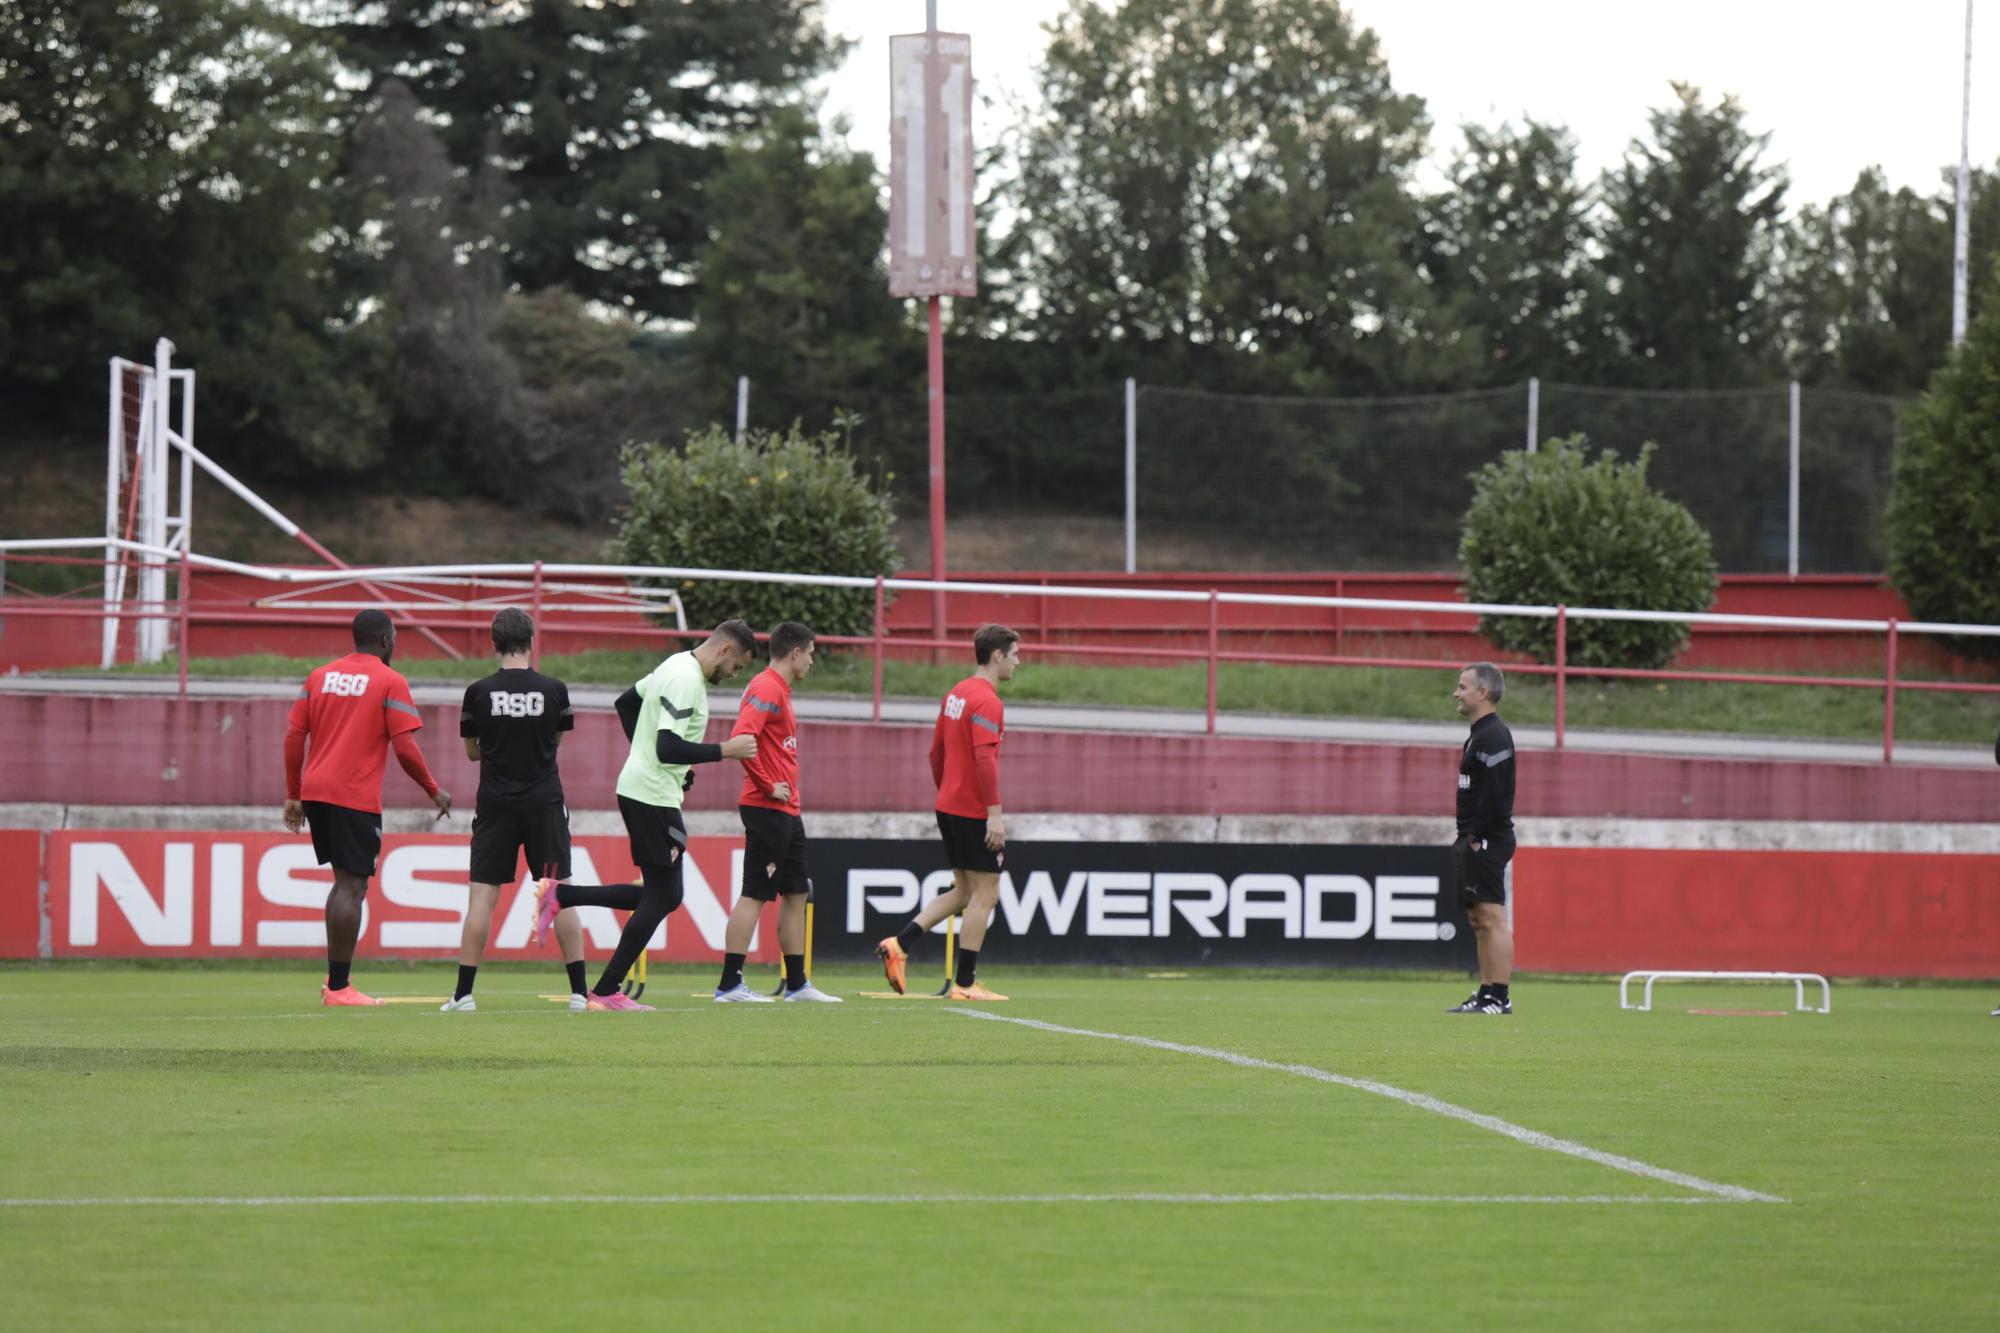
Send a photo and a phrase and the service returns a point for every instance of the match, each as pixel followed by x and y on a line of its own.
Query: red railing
pixel 606 618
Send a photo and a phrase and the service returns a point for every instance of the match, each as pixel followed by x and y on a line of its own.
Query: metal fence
pixel 1786 479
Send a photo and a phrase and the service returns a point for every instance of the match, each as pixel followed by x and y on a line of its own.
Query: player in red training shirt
pixel 352 710
pixel 965 765
pixel 774 834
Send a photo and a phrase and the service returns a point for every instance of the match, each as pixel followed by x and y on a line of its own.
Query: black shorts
pixel 965 844
pixel 1482 875
pixel 774 852
pixel 659 838
pixel 344 838
pixel 500 836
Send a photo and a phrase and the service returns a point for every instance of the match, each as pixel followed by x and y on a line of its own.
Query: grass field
pixel 527 1167
pixel 1376 693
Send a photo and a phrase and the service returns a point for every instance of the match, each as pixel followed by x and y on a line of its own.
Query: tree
pixel 607 118
pixel 526 399
pixel 164 170
pixel 1224 185
pixel 1944 510
pixel 1867 282
pixel 1509 244
pixel 792 289
pixel 1693 218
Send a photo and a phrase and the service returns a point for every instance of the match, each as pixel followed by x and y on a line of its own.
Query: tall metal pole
pixel 1534 411
pixel 1792 548
pixel 1961 238
pixel 1131 476
pixel 938 628
pixel 742 406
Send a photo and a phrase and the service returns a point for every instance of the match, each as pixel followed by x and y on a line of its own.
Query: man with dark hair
pixel 1485 834
pixel 352 711
pixel 665 715
pixel 965 765
pixel 774 832
pixel 511 722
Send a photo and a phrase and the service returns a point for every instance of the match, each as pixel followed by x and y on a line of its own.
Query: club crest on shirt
pixel 770 870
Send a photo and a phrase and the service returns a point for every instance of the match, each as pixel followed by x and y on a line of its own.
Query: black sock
pixel 576 981
pixel 618 897
pixel 1499 991
pixel 1485 989
pixel 909 935
pixel 795 971
pixel 732 971
pixel 465 975
pixel 336 973
pixel 968 966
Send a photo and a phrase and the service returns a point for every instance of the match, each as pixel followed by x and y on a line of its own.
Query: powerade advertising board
pixel 1162 904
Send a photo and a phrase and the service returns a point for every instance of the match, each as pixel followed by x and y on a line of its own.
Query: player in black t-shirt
pixel 1485 834
pixel 512 722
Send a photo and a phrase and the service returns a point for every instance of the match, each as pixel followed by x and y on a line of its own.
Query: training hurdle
pixel 1798 980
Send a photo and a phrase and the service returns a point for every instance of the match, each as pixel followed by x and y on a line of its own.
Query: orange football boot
pixel 973 992
pixel 893 956
pixel 346 995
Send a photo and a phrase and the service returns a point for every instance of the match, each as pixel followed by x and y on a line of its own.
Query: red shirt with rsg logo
pixel 349 710
pixel 766 713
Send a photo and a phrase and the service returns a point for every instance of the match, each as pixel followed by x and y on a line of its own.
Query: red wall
pixel 125 750
pixel 1846 913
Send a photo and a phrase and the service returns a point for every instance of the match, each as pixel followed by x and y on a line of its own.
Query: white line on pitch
pixel 955 1200
pixel 1534 1138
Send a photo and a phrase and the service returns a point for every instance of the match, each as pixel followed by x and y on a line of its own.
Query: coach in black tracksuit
pixel 1485 834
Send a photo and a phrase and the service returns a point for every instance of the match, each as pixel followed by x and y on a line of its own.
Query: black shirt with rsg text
pixel 1486 782
pixel 517 715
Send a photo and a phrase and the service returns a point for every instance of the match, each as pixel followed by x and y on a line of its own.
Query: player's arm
pixel 628 705
pixel 296 726
pixel 986 729
pixel 566 715
pixel 677 704
pixel 1496 794
pixel 468 723
pixel 752 717
pixel 402 721
pixel 937 754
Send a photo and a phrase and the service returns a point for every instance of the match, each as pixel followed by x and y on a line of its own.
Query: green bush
pixel 1554 528
pixel 789 501
pixel 1944 498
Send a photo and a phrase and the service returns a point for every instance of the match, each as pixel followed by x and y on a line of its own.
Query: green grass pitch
pixel 524 1167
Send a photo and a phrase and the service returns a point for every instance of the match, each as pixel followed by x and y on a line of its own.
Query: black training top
pixel 516 714
pixel 1486 782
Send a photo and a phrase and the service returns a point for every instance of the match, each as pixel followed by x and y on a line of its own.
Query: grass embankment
pixel 1373 693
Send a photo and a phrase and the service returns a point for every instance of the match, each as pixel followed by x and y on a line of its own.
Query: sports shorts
pixel 1481 875
pixel 499 837
pixel 344 838
pixel 774 852
pixel 658 835
pixel 965 844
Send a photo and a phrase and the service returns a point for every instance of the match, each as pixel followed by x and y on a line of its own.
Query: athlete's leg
pixel 792 923
pixel 982 896
pixel 1495 942
pixel 660 895
pixel 343 924
pixel 478 923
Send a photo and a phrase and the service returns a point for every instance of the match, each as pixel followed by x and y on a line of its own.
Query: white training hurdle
pixel 1798 980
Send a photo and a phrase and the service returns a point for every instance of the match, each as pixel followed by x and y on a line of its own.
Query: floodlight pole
pixel 1961 229
pixel 935 312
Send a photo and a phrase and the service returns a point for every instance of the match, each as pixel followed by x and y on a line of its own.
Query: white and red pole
pixel 938 628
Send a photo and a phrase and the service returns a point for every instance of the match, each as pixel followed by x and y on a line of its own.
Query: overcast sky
pixel 1839 84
